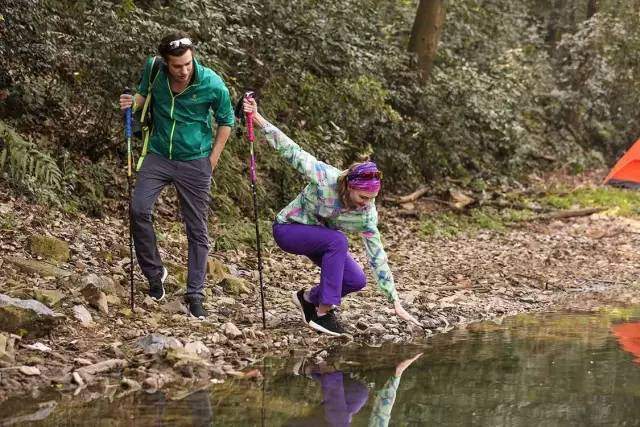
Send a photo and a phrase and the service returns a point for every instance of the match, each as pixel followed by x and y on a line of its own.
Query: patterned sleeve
pixel 383 403
pixel 377 257
pixel 315 170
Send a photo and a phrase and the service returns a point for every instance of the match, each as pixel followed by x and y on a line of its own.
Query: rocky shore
pixel 66 321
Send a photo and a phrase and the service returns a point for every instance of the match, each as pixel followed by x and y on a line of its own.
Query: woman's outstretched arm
pixel 378 261
pixel 315 170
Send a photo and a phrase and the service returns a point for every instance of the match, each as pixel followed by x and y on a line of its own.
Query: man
pixel 185 97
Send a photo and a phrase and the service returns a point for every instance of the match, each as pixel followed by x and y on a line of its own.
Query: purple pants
pixel 342 399
pixel 329 249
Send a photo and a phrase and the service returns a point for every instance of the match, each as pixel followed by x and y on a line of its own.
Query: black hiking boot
pixel 327 324
pixel 307 309
pixel 196 309
pixel 156 286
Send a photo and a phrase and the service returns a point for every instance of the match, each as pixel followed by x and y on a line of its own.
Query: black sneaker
pixel 196 309
pixel 327 324
pixel 156 286
pixel 307 309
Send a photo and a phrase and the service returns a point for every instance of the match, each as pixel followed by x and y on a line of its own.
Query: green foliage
pixel 237 234
pixel 27 167
pixel 517 86
pixel 618 201
pixel 450 224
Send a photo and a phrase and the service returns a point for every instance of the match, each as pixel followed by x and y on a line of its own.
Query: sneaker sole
pixel 165 273
pixel 319 328
pixel 294 298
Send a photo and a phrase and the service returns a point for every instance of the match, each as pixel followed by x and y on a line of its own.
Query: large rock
pixel 155 343
pixel 41 268
pixel 216 271
pixel 199 348
pixel 49 297
pixel 95 298
pixel 105 283
pixel 177 272
pixel 7 348
pixel 231 330
pixel 182 357
pixel 81 313
pixel 174 305
pixel 49 248
pixel 234 285
pixel 26 317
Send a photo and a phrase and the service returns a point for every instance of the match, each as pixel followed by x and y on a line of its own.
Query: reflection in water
pixel 344 396
pixel 547 370
pixel 197 405
pixel 628 335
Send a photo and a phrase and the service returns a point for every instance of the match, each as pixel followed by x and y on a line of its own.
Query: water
pixel 543 370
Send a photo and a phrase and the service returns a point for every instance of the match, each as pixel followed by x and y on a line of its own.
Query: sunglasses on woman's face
pixel 367 175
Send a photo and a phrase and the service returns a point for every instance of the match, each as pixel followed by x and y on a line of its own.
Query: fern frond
pixel 25 163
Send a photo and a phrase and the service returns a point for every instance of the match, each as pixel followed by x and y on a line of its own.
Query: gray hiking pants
pixel 192 180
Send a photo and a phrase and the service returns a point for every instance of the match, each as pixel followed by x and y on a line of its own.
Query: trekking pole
pixel 127 135
pixel 252 173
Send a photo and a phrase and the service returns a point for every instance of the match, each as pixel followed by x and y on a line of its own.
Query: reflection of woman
pixel 343 397
pixel 311 225
pixel 386 397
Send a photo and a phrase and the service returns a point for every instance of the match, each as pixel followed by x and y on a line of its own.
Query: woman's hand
pixel 250 105
pixel 405 364
pixel 404 315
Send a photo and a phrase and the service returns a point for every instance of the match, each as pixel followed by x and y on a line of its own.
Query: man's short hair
pixel 175 44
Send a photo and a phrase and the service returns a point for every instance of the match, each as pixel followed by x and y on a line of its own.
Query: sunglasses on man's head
pixel 366 175
pixel 177 44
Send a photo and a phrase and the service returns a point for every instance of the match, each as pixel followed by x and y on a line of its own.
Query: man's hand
pixel 214 160
pixel 403 314
pixel 126 101
pixel 222 135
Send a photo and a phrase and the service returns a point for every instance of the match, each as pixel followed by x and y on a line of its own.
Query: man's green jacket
pixel 182 122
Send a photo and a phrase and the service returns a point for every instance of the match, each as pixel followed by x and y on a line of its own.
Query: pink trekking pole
pixel 252 173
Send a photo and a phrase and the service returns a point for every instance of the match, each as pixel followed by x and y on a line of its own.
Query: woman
pixel 312 225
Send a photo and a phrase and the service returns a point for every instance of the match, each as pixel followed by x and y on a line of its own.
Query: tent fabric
pixel 626 172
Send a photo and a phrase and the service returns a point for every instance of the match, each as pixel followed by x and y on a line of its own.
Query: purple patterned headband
pixel 365 177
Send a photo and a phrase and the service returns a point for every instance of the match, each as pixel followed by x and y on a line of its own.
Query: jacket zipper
pixel 173 103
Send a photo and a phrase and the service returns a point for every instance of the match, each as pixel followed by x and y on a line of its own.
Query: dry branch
pixel 568 214
pixel 104 366
pixel 413 196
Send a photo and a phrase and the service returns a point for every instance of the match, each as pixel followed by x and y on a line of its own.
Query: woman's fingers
pixel 403 314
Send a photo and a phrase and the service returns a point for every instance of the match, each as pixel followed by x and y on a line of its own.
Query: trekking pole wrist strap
pixel 134 105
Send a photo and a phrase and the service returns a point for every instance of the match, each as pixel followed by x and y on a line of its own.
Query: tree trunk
pixel 592 8
pixel 425 34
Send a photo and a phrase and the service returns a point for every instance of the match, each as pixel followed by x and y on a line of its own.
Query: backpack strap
pixel 144 119
pixel 153 75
